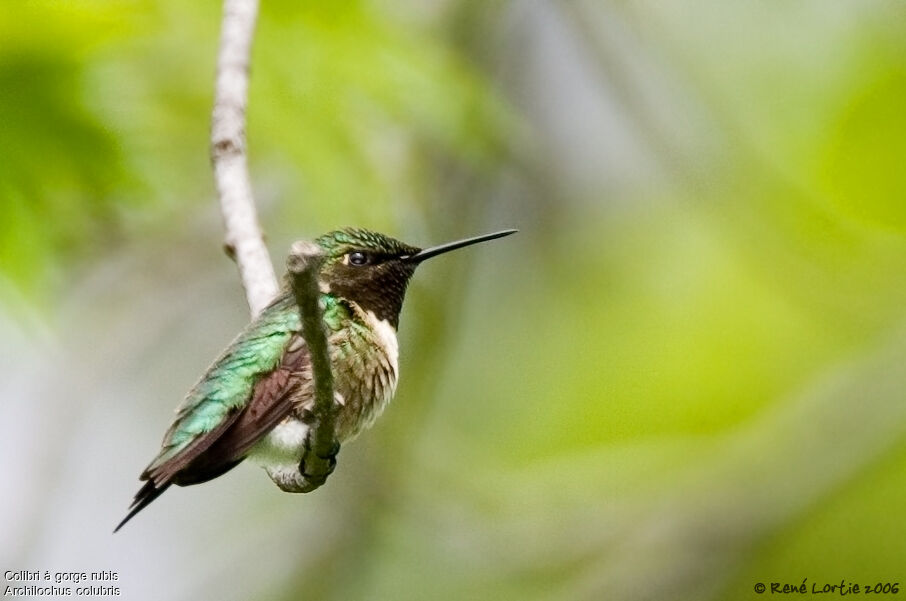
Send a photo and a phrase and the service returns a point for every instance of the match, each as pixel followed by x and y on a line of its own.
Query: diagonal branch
pixel 303 264
pixel 243 239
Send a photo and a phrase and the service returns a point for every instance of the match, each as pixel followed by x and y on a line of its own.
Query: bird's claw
pixel 316 480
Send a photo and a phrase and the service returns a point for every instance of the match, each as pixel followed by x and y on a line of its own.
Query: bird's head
pixel 373 270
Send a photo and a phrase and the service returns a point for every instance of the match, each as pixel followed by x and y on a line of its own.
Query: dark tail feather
pixel 143 498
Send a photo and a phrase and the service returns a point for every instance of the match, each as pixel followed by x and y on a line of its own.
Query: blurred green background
pixel 683 377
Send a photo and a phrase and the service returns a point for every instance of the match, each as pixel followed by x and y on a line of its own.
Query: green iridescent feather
pixel 228 383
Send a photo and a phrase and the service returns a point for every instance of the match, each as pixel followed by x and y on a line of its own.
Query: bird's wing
pixel 252 372
pixel 243 395
pixel 272 400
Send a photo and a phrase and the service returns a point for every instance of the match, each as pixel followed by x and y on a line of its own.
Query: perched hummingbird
pixel 256 400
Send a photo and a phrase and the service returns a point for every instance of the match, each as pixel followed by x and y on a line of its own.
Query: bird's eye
pixel 358 258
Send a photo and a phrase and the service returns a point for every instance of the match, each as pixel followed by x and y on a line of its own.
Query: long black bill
pixel 443 248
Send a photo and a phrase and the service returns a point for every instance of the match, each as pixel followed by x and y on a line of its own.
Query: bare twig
pixel 303 264
pixel 243 240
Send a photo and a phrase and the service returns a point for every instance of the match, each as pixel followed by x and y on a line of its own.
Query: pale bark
pixel 243 238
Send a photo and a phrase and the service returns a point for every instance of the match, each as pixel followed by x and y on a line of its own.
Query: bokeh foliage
pixel 106 110
pixel 681 378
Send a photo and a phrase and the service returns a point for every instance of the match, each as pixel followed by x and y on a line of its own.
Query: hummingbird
pixel 256 400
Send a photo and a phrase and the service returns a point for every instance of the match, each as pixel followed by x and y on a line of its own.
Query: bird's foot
pixel 314 473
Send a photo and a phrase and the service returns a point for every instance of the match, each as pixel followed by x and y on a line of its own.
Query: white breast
pixel 280 451
pixel 386 337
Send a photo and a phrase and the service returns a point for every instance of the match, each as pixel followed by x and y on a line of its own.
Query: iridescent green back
pixel 229 382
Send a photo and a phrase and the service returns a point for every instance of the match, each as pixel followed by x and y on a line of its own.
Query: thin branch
pixel 303 264
pixel 244 243
pixel 243 239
